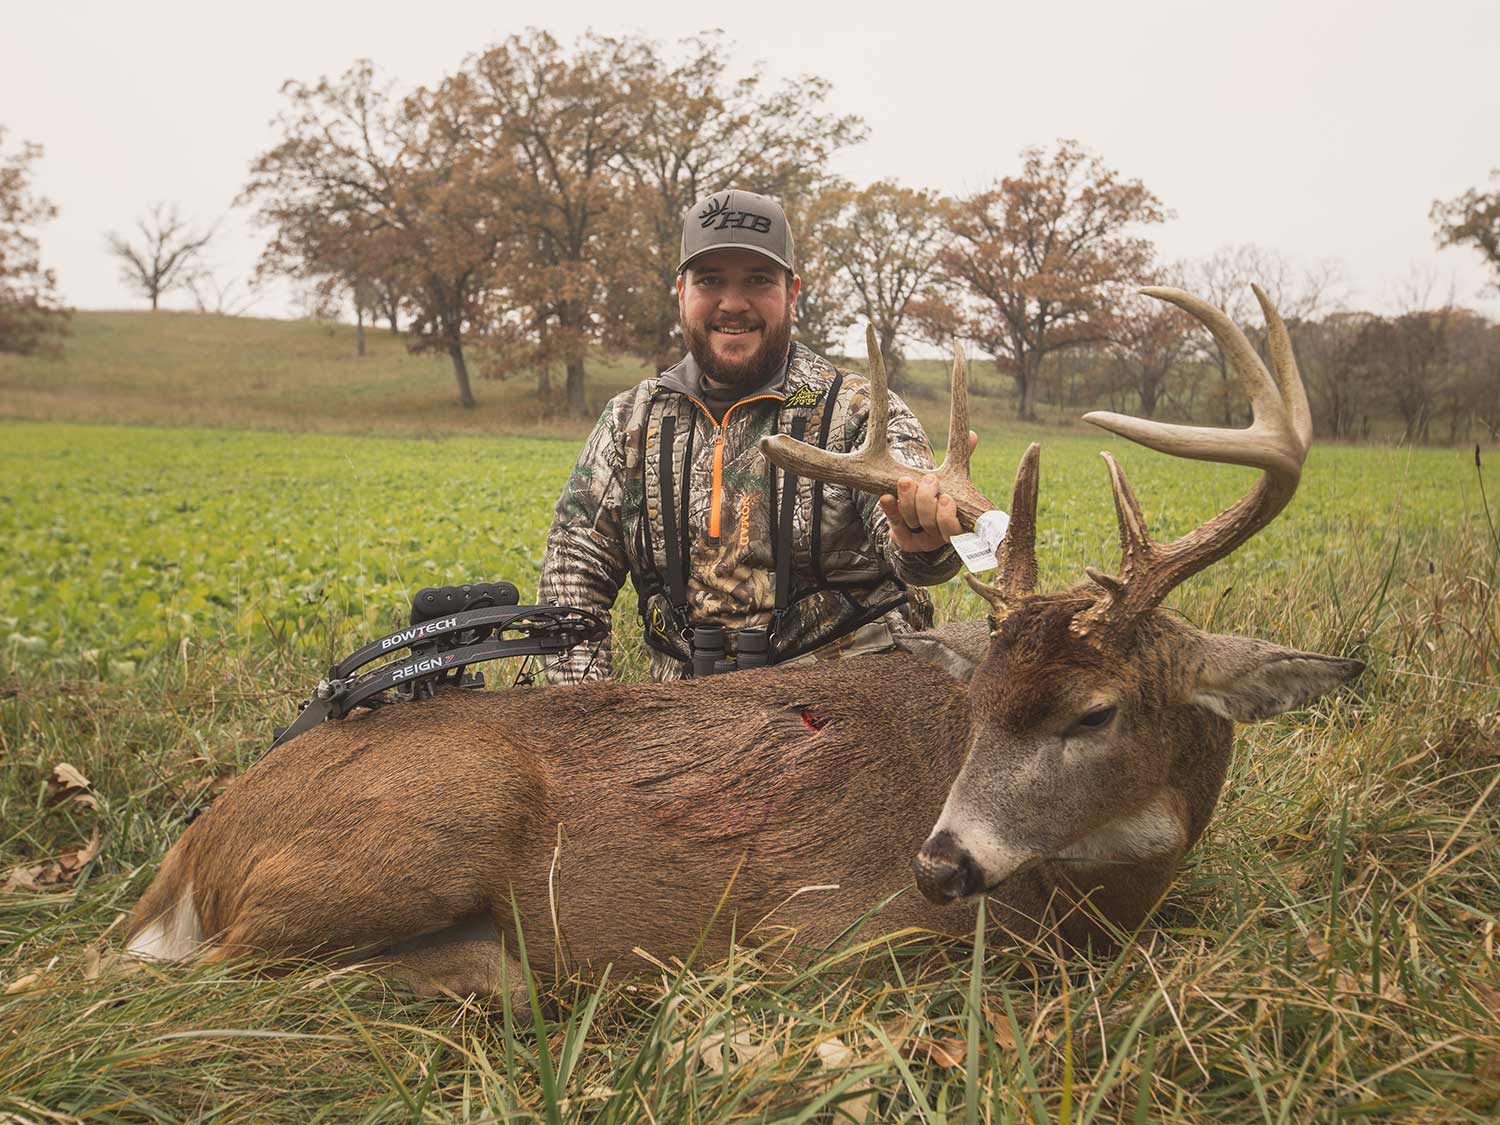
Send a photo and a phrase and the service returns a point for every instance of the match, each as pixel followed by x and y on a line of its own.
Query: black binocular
pixel 752 649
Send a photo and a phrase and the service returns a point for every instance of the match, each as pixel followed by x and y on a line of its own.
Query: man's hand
pixel 921 517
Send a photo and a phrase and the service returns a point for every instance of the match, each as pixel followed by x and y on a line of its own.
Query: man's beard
pixel 756 369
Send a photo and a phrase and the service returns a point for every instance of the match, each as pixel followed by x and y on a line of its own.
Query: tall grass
pixel 1328 952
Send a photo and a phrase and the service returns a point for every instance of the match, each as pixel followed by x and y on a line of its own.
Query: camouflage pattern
pixel 597 538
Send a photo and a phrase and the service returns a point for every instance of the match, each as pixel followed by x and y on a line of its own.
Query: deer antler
pixel 1276 442
pixel 872 468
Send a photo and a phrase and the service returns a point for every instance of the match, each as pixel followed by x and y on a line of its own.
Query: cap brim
pixel 761 250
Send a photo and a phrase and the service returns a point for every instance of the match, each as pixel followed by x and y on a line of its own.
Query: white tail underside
pixel 173 935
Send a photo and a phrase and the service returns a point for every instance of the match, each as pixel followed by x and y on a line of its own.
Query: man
pixel 672 490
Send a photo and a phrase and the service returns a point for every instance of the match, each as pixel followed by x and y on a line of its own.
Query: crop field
pixel 1328 951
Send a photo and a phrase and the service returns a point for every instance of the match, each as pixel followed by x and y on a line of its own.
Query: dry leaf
pixel 742 1051
pixel 48 873
pixel 947 1053
pixel 1317 946
pixel 999 1023
pixel 21 984
pixel 855 1102
pixel 68 783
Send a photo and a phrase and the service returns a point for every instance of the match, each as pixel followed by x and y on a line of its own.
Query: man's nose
pixel 733 299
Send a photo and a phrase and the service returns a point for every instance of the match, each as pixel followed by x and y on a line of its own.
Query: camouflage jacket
pixel 726 497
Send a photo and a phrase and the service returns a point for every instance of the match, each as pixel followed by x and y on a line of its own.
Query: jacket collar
pixel 686 378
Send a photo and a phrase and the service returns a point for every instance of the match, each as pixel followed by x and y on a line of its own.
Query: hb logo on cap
pixel 719 209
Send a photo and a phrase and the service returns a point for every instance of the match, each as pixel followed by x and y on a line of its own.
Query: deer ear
pixel 956 648
pixel 1245 679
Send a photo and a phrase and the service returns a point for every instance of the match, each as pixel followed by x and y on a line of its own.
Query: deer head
pixel 1100 725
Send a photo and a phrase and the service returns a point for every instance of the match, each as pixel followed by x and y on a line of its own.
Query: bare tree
pixel 1224 279
pixel 165 257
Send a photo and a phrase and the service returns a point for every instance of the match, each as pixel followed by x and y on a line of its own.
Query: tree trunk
pixel 461 373
pixel 1026 381
pixel 543 381
pixel 578 402
pixel 359 330
pixel 895 362
pixel 154 296
pixel 1149 389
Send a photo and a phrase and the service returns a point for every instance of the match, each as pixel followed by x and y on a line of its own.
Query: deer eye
pixel 1096 719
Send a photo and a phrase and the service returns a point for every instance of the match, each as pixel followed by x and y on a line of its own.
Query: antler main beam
pixel 1276 442
pixel 872 467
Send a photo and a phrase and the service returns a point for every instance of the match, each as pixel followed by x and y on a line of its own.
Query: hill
pixel 197 369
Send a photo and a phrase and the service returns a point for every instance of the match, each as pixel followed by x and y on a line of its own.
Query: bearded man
pixel 735 562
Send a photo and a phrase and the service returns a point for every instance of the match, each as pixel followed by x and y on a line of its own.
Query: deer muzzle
pixel 945 871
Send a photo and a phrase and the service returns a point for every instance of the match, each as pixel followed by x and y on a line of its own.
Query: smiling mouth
pixel 734 330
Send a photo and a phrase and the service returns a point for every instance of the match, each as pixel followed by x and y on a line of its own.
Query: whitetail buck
pixel 1072 746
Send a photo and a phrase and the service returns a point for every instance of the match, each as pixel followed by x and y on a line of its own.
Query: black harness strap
pixel 829 402
pixel 675 578
pixel 784 545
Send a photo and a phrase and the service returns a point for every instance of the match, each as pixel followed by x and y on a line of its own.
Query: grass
pixel 204 370
pixel 1328 952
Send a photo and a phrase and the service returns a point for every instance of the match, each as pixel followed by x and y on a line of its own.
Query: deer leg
pixel 466 959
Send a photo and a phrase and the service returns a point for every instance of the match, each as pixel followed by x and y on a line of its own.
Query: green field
pixel 1329 949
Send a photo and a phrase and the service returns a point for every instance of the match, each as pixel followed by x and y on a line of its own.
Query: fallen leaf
pixel 21 984
pixel 741 1051
pixel 48 873
pixel 999 1023
pixel 68 783
pixel 854 1103
pixel 946 1053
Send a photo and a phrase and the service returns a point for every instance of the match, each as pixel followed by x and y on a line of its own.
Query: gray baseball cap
pixel 740 220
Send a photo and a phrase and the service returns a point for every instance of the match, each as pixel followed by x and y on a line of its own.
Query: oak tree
pixel 1472 219
pixel 1038 259
pixel 884 241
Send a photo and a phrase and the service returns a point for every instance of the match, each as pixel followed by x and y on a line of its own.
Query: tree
pixel 1472 219
pixel 1151 339
pixel 32 317
pixel 1038 259
pixel 884 242
pixel 825 309
pixel 1341 387
pixel 698 129
pixel 1406 359
pixel 387 199
pixel 559 123
pixel 166 255
pixel 1223 279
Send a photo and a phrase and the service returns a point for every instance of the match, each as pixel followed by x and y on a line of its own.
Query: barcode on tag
pixel 977 555
pixel 977 548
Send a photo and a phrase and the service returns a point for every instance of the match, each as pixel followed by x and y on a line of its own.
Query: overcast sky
pixel 1317 128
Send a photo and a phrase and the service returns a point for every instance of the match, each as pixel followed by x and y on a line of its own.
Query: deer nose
pixel 946 872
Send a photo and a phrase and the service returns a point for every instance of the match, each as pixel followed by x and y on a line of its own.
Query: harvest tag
pixel 977 548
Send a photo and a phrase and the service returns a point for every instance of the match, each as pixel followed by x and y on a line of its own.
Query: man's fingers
pixel 947 518
pixel 927 503
pixel 906 501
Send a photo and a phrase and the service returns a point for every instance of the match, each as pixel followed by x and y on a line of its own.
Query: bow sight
pixel 451 627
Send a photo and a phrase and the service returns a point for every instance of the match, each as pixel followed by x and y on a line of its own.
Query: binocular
pixel 709 643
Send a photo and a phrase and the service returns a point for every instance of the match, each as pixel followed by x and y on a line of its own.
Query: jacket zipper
pixel 717 496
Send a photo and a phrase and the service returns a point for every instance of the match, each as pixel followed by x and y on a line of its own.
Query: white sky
pixel 1320 129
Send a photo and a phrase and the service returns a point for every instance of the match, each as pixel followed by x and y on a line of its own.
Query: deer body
pixel 1059 760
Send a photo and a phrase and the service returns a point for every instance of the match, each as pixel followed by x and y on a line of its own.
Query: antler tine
pixel 1276 442
pixel 872 468
pixel 956 460
pixel 876 439
pixel 1016 576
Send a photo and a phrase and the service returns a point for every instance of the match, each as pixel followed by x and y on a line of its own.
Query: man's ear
pixel 957 648
pixel 793 289
pixel 1245 679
